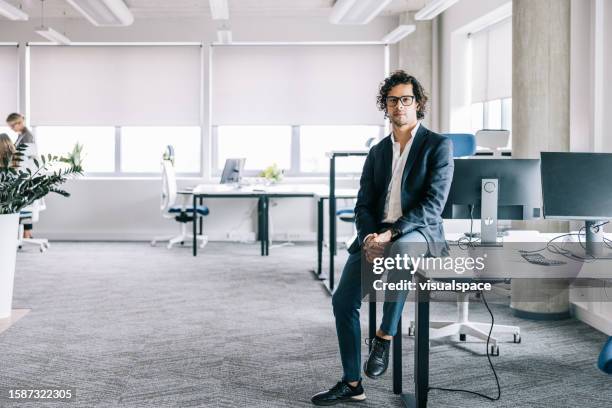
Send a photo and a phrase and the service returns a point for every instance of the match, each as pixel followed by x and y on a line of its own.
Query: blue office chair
pixel 464 144
pixel 605 358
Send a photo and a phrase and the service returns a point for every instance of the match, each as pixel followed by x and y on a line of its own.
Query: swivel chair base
pixel 181 238
pixel 463 327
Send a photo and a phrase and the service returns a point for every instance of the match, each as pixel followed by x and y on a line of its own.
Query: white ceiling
pixel 200 8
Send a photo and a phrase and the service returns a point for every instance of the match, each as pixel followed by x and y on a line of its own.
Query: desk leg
pixel 332 221
pixel 200 202
pixel 397 359
pixel 421 349
pixel 195 223
pixel 266 218
pixel 320 227
pixel 372 323
pixel 260 223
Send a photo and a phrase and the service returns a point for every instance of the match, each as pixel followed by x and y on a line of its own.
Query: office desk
pixel 347 193
pixel 418 398
pixel 332 204
pixel 260 192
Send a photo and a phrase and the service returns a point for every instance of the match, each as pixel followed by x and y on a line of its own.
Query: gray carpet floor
pixel 128 325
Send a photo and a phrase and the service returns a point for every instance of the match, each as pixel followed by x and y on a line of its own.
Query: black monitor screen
pixel 576 186
pixel 519 188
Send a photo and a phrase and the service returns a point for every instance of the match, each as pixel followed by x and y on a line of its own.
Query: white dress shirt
pixel 393 203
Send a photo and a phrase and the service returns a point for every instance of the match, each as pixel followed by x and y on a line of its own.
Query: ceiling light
pixel 11 12
pixel 399 33
pixel 433 8
pixel 104 12
pixel 53 36
pixel 219 9
pixel 224 36
pixel 356 11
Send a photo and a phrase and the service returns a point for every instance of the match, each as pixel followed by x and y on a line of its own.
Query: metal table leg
pixel 418 399
pixel 195 223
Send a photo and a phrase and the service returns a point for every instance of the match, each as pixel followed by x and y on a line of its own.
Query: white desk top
pixel 315 190
pixel 506 261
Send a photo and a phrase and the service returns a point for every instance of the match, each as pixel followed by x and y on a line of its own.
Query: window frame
pixel 295 155
pixel 118 173
pixel 215 170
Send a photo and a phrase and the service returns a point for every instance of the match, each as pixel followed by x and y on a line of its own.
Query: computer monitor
pixel 575 187
pixel 492 189
pixel 232 171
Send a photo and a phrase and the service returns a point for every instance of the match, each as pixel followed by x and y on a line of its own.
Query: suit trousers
pixel 346 302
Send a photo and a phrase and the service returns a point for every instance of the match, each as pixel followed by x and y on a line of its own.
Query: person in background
pixel 7 150
pixel 16 122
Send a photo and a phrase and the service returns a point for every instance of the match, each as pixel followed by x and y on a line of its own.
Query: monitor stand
pixel 595 239
pixel 488 213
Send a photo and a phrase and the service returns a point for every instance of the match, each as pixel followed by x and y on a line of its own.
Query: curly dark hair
pixel 397 78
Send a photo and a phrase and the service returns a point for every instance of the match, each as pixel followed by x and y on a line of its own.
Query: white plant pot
pixel 9 230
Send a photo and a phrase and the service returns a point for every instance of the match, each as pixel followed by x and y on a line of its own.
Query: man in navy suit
pixel 403 189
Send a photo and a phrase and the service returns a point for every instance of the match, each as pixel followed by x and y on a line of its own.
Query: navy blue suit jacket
pixel 426 180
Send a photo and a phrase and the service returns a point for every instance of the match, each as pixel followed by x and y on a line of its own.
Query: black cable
pixel 488 358
pixel 470 241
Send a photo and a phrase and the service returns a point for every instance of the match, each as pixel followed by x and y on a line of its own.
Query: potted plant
pixel 271 174
pixel 20 186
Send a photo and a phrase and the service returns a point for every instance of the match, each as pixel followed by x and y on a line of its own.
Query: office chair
pixel 464 145
pixel 30 215
pixel 605 358
pixel 495 140
pixel 181 213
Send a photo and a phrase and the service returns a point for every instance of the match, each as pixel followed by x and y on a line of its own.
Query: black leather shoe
pixel 341 392
pixel 378 360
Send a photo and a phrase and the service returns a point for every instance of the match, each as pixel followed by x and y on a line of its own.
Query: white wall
pixel 128 208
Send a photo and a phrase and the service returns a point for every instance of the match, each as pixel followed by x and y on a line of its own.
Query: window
pixel 495 114
pixel 262 146
pixel 98 144
pixel 477 111
pixel 316 141
pixel 491 77
pixel 506 114
pixel 493 119
pixel 142 148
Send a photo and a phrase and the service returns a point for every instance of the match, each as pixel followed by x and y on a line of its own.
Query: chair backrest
pixel 493 138
pixel 169 188
pixel 464 144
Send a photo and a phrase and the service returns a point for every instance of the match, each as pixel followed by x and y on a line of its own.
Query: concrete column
pixel 540 119
pixel 415 56
pixel 540 77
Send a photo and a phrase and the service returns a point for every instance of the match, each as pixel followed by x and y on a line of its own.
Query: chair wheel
pixel 411 331
pixel 517 338
pixel 42 249
pixel 462 337
pixel 494 350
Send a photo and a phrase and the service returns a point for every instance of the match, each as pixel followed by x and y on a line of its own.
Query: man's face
pixel 17 125
pixel 402 106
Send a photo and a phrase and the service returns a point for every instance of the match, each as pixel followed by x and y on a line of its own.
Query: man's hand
pixel 373 248
pixel 384 237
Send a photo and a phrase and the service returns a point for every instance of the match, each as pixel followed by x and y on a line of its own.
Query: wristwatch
pixel 395 233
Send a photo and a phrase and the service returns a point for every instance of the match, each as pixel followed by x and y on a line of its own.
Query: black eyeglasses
pixel 406 100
